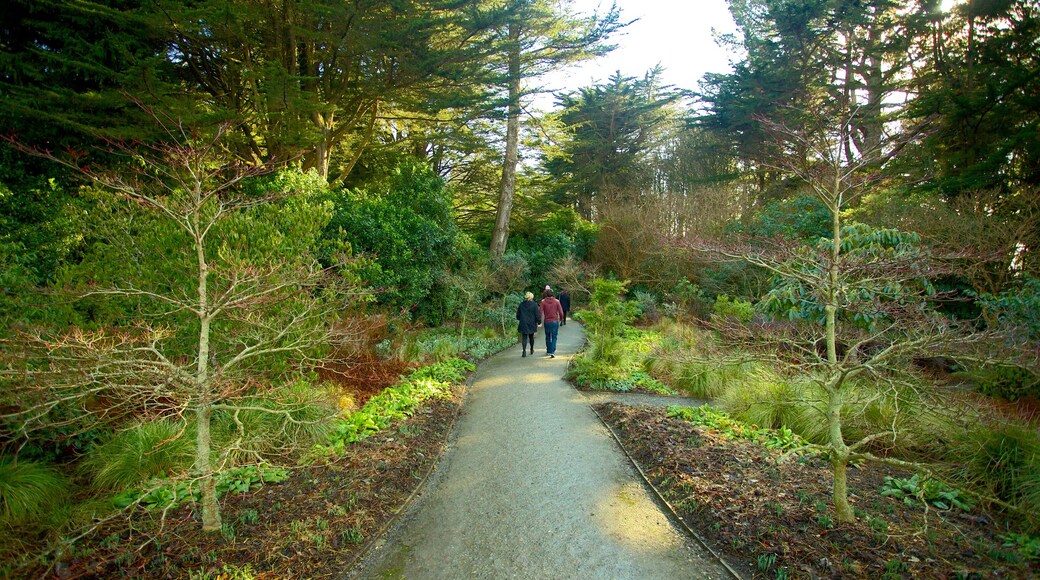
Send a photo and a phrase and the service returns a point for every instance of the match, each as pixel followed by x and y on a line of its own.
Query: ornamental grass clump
pixel 143 451
pixel 29 491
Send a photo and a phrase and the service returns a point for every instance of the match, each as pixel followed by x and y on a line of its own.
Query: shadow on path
pixel 534 487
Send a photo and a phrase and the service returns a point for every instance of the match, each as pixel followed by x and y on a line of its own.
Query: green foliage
pixel 705 416
pixel 802 217
pixel 646 304
pixel 1001 460
pixel 407 227
pixel 541 251
pixel 1017 307
pixel 29 491
pixel 397 402
pixel 726 307
pixel 792 299
pixel 689 298
pixel 605 319
pixel 143 451
pixel 442 344
pixel 761 397
pixel 914 489
pixel 1004 381
pixel 622 374
pixel 241 479
pixel 1027 546
pixel 614 128
pixel 291 417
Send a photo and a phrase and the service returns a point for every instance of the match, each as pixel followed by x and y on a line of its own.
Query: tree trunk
pixel 210 509
pixel 203 410
pixel 507 188
pixel 839 451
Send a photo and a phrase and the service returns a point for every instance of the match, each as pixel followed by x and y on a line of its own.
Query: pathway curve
pixel 534 487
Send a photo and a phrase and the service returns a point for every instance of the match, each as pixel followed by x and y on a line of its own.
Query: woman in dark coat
pixel 530 317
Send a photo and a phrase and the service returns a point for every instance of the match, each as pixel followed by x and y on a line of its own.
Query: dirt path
pixel 534 487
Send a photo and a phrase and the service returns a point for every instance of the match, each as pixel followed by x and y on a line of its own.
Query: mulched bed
pixel 315 524
pixel 771 520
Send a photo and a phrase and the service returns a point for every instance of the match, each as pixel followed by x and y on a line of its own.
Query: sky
pixel 678 34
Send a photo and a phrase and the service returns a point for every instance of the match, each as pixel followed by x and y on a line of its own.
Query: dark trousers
pixel 526 339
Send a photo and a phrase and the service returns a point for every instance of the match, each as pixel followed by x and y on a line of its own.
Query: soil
pixel 774 520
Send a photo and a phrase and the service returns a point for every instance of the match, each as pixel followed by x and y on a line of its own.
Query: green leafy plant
pixel 238 480
pixel 397 402
pixel 726 307
pixel 766 561
pixel 706 416
pixel 914 489
pixel 1004 381
pixel 1027 546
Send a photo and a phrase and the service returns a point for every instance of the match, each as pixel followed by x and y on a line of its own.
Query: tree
pixel 405 229
pixel 538 37
pixel 866 287
pixel 222 293
pixel 614 127
pixel 308 78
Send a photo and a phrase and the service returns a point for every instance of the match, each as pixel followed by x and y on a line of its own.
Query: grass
pixel 145 450
pixel 29 491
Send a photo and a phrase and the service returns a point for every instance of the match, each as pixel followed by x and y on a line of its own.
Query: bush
pixel 646 304
pixel 1001 460
pixel 397 402
pixel 763 398
pixel 1005 381
pixel 144 451
pixel 297 417
pixel 29 491
pixel 407 225
pixel 689 299
pixel 735 308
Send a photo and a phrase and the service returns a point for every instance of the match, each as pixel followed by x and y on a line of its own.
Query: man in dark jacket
pixel 530 317
pixel 565 302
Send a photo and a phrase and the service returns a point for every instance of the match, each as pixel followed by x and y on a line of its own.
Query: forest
pixel 238 238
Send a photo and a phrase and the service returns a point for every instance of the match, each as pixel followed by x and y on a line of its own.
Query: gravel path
pixel 534 487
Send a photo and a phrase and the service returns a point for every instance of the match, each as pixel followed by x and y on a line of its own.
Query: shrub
pixel 29 491
pixel 689 298
pixel 726 307
pixel 1005 381
pixel 397 402
pixel 1003 461
pixel 763 398
pixel 139 453
pixel 407 226
pixel 605 319
pixel 646 304
pixel 297 417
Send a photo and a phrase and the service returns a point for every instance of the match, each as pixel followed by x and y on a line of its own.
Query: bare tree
pixel 236 291
pixel 866 287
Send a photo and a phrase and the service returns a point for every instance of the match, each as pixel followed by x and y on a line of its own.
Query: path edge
pixel 356 565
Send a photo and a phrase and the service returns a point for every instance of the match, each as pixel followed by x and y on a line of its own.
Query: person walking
pixel 530 316
pixel 565 302
pixel 552 313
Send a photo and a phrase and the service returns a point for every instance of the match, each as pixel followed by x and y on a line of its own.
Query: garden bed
pixel 314 524
pixel 775 520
